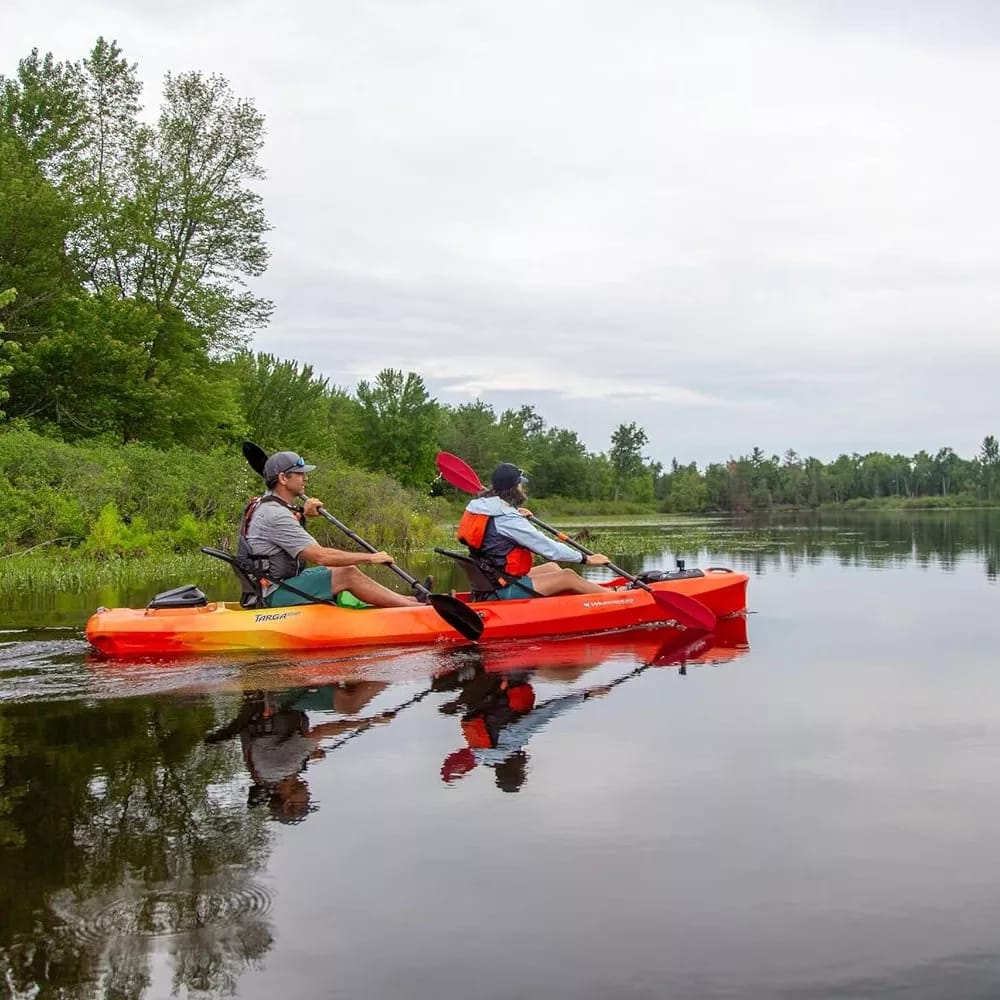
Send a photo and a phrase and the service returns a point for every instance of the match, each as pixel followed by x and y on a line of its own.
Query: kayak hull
pixel 222 627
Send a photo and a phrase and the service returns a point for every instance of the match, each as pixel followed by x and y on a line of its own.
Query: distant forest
pixel 126 374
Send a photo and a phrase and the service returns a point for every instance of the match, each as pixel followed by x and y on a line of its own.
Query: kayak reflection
pixel 500 712
pixel 492 692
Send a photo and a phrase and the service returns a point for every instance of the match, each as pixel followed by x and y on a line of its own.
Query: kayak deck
pixel 224 627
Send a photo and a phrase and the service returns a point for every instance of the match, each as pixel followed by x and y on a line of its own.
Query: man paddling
pixel 504 542
pixel 273 527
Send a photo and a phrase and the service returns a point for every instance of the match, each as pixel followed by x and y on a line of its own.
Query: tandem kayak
pixel 211 627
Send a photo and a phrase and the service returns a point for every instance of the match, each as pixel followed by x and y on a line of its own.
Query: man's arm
pixel 323 555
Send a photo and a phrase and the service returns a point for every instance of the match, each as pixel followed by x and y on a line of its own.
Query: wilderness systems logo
pixel 276 617
pixel 609 603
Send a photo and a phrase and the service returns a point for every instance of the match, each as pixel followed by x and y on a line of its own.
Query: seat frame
pixel 253 580
pixel 484 582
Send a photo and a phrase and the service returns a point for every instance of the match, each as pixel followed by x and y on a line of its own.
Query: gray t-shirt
pixel 275 532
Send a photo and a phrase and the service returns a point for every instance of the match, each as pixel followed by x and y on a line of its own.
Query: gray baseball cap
pixel 285 461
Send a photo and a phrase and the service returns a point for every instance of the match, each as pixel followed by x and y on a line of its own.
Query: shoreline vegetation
pixel 97 514
pixel 127 379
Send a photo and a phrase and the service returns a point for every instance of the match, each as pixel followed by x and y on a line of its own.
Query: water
pixel 804 810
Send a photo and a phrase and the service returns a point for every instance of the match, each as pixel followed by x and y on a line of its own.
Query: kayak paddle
pixel 688 611
pixel 455 612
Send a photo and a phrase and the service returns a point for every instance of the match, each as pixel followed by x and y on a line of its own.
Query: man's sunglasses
pixel 299 466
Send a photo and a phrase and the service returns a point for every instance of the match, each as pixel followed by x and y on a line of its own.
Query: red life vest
pixel 479 533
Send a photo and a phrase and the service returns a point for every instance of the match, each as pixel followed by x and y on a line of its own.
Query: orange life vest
pixel 479 533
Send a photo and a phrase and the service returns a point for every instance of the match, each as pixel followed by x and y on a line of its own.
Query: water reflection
pixel 121 840
pixel 278 741
pixel 499 712
pixel 865 538
pixel 139 827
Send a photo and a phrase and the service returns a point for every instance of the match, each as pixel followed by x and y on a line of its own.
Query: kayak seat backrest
pixel 484 582
pixel 186 596
pixel 250 576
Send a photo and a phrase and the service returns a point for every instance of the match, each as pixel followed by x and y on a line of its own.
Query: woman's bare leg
pixel 550 578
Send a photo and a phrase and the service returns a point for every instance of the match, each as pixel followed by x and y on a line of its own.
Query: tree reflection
pixel 122 838
pixel 869 538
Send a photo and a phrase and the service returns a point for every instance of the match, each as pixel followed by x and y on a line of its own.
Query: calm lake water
pixel 806 808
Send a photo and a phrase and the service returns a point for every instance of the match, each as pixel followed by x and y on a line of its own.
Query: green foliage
pixel 282 401
pixel 398 426
pixel 374 506
pixel 688 491
pixel 626 457
pixel 471 430
pixel 110 538
pixel 131 244
pixel 6 297
pixel 118 366
pixel 51 489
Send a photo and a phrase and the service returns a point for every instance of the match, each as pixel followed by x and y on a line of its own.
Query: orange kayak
pixel 222 627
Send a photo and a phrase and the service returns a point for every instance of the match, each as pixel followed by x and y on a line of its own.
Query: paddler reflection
pixel 501 715
pixel 279 741
pixel 500 712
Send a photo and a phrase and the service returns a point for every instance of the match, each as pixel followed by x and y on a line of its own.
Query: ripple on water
pixel 40 664
pixel 165 911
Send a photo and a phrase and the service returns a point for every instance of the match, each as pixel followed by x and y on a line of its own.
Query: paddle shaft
pixel 691 608
pixel 368 547
pixel 392 713
pixel 583 550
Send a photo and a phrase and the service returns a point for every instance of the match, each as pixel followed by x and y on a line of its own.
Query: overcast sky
pixel 768 224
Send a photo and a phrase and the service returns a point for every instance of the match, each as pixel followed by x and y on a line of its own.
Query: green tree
pixel 284 405
pixel 130 241
pixel 626 457
pixel 688 490
pixel 118 366
pixel 518 431
pixel 200 224
pixel 6 297
pixel 399 426
pixel 472 432
pixel 946 468
pixel 989 460
pixel 34 223
pixel 560 465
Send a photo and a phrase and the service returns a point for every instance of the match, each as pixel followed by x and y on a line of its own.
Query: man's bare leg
pixel 364 588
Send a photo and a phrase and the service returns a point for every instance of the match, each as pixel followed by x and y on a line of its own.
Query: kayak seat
pixel 484 582
pixel 185 596
pixel 251 581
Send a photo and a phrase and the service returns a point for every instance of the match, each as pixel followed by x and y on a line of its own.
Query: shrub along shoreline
pixel 102 511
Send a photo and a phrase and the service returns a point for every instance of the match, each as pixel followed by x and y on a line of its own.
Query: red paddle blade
pixel 676 651
pixel 690 612
pixel 458 473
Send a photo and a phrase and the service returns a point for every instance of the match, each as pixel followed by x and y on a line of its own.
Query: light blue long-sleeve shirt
pixel 521 531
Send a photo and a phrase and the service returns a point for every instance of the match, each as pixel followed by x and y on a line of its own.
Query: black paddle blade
pixel 458 615
pixel 255 456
